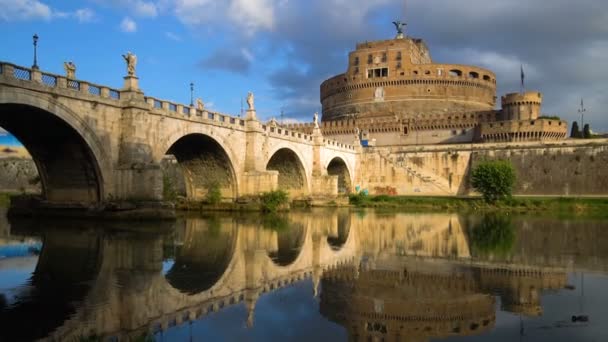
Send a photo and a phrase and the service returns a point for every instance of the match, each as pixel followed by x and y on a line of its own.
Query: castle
pixel 394 94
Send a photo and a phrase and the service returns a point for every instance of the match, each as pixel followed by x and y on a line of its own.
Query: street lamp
pixel 35 38
pixel 582 112
pixel 191 94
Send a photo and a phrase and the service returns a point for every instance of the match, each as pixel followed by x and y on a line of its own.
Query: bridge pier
pixel 256 179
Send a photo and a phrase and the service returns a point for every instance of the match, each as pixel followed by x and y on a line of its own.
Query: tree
pixel 586 132
pixel 575 132
pixel 494 179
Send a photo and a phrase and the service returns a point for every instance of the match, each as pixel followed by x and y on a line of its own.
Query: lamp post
pixel 35 38
pixel 191 94
pixel 582 112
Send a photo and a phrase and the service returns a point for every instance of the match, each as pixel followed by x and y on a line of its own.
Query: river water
pixel 322 275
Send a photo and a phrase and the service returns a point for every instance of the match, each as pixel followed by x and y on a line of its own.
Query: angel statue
pixel 70 70
pixel 399 26
pixel 250 101
pixel 131 60
pixel 315 119
pixel 200 105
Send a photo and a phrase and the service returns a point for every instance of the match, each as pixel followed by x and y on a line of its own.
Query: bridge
pixel 93 144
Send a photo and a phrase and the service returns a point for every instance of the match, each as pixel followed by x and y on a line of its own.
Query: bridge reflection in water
pixel 380 276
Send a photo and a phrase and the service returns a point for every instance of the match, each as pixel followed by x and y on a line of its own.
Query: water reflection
pixel 378 276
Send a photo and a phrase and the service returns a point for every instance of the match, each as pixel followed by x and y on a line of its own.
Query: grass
pixel 564 206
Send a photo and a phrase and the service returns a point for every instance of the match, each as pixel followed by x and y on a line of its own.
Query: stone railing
pixel 338 144
pixel 12 71
pixel 282 132
pixel 170 108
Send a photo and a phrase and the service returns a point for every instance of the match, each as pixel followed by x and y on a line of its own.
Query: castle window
pixel 399 65
pixel 427 72
pixel 356 61
pixel 377 72
pixel 473 74
pixel 486 78
pixel 439 72
pixel 455 73
pixel 356 70
pixel 370 59
pixel 398 55
pixel 384 57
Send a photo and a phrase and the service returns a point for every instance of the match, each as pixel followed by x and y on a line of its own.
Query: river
pixel 321 275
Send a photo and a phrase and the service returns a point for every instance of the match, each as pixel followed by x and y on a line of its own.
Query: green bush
pixel 494 179
pixel 358 199
pixel 169 191
pixel 273 200
pixel 214 194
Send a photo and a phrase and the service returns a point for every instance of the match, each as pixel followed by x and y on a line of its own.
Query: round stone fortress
pixel 393 94
pixel 398 77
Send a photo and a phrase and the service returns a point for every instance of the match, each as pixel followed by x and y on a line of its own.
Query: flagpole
pixel 522 88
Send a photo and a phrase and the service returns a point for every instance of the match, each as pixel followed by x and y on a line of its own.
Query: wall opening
pixel 337 167
pixel 67 170
pixel 205 168
pixel 292 176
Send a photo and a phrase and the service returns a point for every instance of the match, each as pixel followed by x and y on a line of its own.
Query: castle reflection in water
pixel 381 276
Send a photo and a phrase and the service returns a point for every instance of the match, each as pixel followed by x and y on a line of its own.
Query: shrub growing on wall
pixel 494 179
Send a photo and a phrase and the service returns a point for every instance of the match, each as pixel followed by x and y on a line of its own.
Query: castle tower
pixel 521 106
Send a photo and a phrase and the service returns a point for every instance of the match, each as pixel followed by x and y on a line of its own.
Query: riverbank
pixel 595 206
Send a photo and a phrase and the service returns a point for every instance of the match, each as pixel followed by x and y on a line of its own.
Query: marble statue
pixel 250 101
pixel 70 69
pixel 131 60
pixel 200 105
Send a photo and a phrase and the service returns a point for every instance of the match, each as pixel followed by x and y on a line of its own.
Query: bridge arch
pixel 206 164
pixel 338 167
pixel 293 175
pixel 72 162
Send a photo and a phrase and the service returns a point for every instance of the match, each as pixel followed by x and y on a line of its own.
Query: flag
pixel 522 77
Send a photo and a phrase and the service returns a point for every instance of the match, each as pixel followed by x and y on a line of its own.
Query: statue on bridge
pixel 200 105
pixel 70 70
pixel 131 60
pixel 250 101
pixel 315 119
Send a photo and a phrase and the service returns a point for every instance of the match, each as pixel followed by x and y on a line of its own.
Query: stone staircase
pixel 427 177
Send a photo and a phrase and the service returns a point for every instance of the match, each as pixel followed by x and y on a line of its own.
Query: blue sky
pixel 283 49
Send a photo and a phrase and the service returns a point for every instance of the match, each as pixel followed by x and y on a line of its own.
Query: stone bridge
pixel 93 144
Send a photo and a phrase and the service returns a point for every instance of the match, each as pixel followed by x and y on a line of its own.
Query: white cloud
pixel 16 10
pixel 128 25
pixel 253 15
pixel 173 36
pixel 247 54
pixel 145 9
pixel 249 16
pixel 84 15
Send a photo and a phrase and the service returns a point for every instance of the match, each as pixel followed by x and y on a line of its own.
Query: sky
pixel 283 49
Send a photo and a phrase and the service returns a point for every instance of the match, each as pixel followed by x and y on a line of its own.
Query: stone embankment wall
pixel 19 175
pixel 565 168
